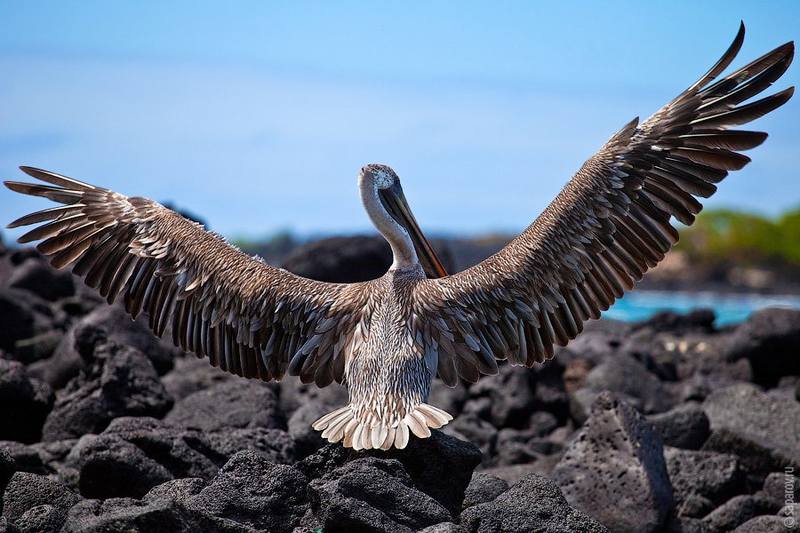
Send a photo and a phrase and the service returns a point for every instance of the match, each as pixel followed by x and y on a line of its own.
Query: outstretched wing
pixel 604 230
pixel 246 316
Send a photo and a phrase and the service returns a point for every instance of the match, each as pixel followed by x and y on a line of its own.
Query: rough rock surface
pixel 762 429
pixel 686 426
pixel 702 480
pixel 115 381
pixel 534 504
pixel 24 403
pixel 236 403
pixel 614 469
pixel 140 437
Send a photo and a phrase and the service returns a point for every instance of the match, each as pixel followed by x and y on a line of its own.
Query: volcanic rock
pixel 685 426
pixel 26 491
pixel 614 469
pixel 532 505
pixel 36 276
pixel 760 428
pixel 116 381
pixel 702 480
pixel 769 339
pixel 230 404
pixel 24 403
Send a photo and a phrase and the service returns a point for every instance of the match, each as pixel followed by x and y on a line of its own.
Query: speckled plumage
pixel 387 339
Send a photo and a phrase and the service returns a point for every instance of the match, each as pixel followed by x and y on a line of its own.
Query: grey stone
pixel 483 488
pixel 373 494
pixel 26 491
pixel 534 505
pixel 737 511
pixel 38 277
pixel 254 492
pixel 707 477
pixel 230 404
pixel 761 429
pixel 614 469
pixel 24 403
pixel 117 381
pixel 685 426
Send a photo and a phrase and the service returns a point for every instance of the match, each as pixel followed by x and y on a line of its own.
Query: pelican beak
pixel 395 203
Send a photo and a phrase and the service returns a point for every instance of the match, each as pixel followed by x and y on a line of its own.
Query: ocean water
pixel 729 308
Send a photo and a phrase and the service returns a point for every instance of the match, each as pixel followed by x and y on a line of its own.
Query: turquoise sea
pixel 729 308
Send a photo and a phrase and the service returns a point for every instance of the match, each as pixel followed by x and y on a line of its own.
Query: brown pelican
pixel 388 338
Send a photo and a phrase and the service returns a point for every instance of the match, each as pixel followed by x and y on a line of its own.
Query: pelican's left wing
pixel 608 226
pixel 247 317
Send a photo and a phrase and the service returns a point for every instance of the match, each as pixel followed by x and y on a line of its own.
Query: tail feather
pixel 343 425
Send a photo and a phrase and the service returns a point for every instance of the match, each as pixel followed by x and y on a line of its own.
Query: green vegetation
pixel 728 236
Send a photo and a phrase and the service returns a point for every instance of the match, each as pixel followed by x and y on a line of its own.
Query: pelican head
pixel 388 209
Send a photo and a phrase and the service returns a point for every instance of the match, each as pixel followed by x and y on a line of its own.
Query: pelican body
pixel 388 338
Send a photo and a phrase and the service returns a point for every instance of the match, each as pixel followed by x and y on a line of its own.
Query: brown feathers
pixel 220 303
pixel 607 227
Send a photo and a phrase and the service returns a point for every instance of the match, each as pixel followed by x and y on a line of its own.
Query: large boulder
pixel 36 276
pixel 24 403
pixel 373 494
pixel 26 491
pixel 126 514
pixel 614 469
pixel 115 381
pixel 685 426
pixel 533 505
pixel 628 379
pixel 769 339
pixel 254 492
pixel 483 488
pixel 135 454
pixel 426 461
pixel 23 315
pixel 349 259
pixel 66 361
pixel 231 404
pixel 737 511
pixel 702 480
pixel 191 374
pixel 762 429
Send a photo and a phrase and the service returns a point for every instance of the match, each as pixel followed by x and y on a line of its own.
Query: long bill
pixel 395 202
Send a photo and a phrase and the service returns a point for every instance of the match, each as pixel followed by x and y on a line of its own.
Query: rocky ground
pixel 666 425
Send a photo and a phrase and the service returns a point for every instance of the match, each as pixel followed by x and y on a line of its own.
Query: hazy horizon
pixel 257 117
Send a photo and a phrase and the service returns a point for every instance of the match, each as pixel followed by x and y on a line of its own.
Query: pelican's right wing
pixel 605 229
pixel 247 317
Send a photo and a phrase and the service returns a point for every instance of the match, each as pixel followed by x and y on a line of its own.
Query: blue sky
pixel 258 115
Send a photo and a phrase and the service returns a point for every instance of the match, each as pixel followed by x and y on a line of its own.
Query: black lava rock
pixel 686 426
pixel 252 491
pixel 483 488
pixel 614 469
pixel 737 511
pixel 370 494
pixel 231 404
pixel 117 381
pixel 770 340
pixel 26 491
pixel 22 315
pixel 533 505
pixel 760 428
pixel 126 514
pixel 66 361
pixel 24 403
pixel 702 480
pixel 349 259
pixel 36 276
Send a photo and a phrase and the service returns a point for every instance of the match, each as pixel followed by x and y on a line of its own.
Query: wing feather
pixel 606 228
pixel 247 317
